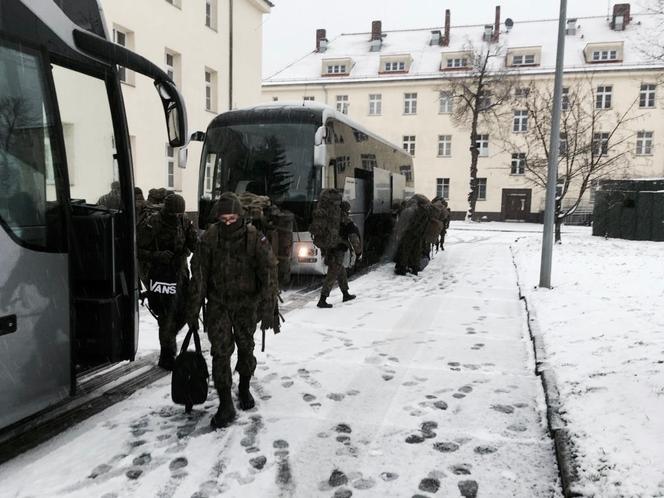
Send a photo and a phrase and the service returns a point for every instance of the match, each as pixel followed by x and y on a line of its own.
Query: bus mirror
pixel 321 135
pixel 176 115
pixel 183 153
pixel 197 136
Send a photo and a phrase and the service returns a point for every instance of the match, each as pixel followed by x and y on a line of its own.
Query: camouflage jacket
pixel 153 235
pixel 233 269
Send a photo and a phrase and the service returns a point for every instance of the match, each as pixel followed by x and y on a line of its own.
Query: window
pixel 336 69
pixel 368 161
pixel 445 102
pixel 482 144
pixel 391 67
pixel 522 93
pixel 308 98
pixel 518 163
pixel 207 186
pixel 342 103
pixel 410 103
pixel 444 145
pixel 484 100
pixel 562 144
pixel 210 90
pixel 564 97
pixel 211 14
pixel 275 99
pixel 600 144
pixel 481 189
pixel 125 38
pixel 647 96
pixel 644 143
pixel 523 60
pixel 603 97
pixel 520 123
pixel 457 62
pixel 407 171
pixel 375 104
pixel 605 55
pixel 409 144
pixel 443 188
pixel 173 64
pixel 170 167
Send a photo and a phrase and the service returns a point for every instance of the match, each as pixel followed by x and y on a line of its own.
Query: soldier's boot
pixel 246 399
pixel 322 302
pixel 226 411
pixel 400 270
pixel 166 359
pixel 348 296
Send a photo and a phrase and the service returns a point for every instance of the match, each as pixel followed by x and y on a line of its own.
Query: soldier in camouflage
pixel 165 240
pixel 236 271
pixel 334 259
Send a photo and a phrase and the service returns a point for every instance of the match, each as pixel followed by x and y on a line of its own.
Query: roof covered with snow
pixel 425 59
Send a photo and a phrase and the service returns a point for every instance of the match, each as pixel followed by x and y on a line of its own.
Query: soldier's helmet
pixel 228 203
pixel 174 204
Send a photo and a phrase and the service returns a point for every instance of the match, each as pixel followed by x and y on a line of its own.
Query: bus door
pixel 35 341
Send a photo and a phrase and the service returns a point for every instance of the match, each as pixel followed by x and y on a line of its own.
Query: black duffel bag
pixel 189 383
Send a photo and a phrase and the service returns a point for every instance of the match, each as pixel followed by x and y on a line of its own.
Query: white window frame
pixel 207 181
pixel 410 103
pixel 443 188
pixel 208 90
pixel 602 139
pixel 644 143
pixel 520 121
pixel 170 167
pixel 211 9
pixel 484 100
pixel 125 40
pixel 603 97
pixel 563 145
pixel 409 144
pixel 457 62
pixel 445 102
pixel 564 99
pixel 522 92
pixel 336 69
pixel 342 104
pixel 523 60
pixel 604 55
pixel 444 145
pixel 394 66
pixel 308 98
pixel 481 189
pixel 375 104
pixel 483 144
pixel 518 165
pixel 647 95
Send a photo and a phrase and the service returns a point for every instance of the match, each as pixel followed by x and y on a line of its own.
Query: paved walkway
pixel 422 386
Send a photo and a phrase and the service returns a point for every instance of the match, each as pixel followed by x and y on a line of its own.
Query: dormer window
pixel 455 60
pixel 598 53
pixel 390 64
pixel 336 67
pixel 526 56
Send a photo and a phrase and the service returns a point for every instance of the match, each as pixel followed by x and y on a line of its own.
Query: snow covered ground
pixel 603 329
pixel 422 386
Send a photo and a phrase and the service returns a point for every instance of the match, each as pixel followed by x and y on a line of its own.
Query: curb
pixel 562 440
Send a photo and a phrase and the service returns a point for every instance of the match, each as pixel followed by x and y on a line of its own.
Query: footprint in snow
pixel 466 389
pixel 336 396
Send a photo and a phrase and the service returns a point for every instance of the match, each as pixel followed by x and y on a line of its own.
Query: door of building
pixel 516 204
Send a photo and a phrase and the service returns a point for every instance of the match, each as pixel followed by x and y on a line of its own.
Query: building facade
pixel 400 85
pixel 212 49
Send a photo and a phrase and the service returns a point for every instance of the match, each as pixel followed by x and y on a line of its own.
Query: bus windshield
pixel 273 159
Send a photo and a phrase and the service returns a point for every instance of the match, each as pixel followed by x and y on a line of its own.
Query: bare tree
pixel 479 94
pixel 651 41
pixel 594 141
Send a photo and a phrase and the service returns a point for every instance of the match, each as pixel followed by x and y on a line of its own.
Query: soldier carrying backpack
pixel 235 270
pixel 325 230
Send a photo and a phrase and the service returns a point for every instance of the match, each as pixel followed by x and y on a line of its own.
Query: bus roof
pixel 295 112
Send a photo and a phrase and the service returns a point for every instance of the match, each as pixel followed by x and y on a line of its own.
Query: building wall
pixel 158 26
pixel 427 124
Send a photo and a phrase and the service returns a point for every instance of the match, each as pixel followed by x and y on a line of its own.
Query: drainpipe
pixel 230 55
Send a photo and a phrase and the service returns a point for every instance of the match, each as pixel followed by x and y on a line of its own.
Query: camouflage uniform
pixel 411 244
pixel 165 240
pixel 236 271
pixel 334 259
pixel 112 200
pixel 444 213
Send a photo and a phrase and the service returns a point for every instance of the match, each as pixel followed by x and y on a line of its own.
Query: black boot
pixel 246 399
pixel 166 359
pixel 226 411
pixel 322 302
pixel 348 296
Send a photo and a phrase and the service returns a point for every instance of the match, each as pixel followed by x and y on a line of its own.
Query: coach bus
pixel 290 152
pixel 68 278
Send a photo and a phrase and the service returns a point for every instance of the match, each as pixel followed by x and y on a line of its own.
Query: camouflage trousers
pixel 228 326
pixel 335 273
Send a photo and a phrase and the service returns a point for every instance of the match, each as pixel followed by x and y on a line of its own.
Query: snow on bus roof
pixel 326 111
pixel 426 59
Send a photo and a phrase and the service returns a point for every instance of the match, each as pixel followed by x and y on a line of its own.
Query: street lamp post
pixel 552 173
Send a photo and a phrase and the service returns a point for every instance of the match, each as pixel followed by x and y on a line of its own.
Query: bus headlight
pixel 306 252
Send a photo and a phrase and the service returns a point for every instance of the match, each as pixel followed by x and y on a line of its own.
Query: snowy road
pixel 422 386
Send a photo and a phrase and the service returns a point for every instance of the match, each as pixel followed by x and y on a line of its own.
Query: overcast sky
pixel 289 31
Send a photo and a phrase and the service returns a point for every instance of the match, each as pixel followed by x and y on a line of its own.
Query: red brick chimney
pixel 321 35
pixel 376 30
pixel 446 33
pixel 620 9
pixel 496 26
